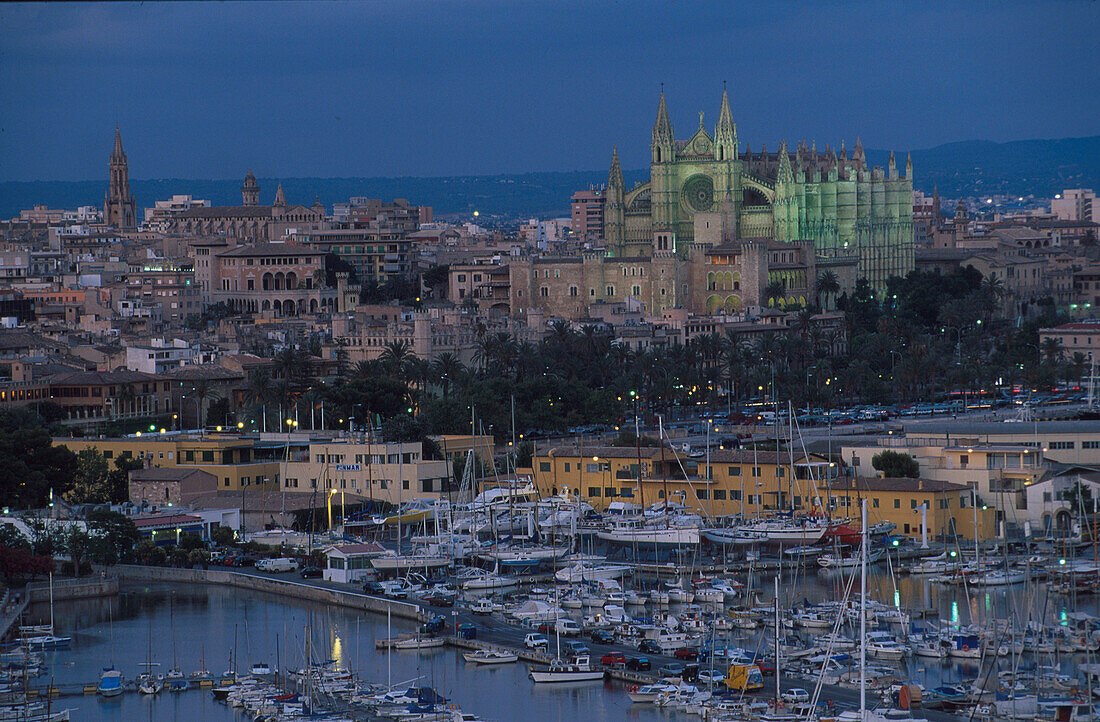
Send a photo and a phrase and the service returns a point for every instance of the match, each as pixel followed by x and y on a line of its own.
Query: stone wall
pixel 64 589
pixel 256 583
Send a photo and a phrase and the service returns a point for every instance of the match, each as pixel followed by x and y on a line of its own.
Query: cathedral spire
pixel 117 155
pixel 725 133
pixel 615 176
pixel 784 173
pixel 909 166
pixel 857 153
pixel 118 203
pixel 843 152
pixel 280 197
pixel 663 137
pixel 892 167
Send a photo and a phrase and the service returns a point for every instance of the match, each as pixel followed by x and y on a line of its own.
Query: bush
pixel 896 465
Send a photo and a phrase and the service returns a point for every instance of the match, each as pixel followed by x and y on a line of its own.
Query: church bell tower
pixel 118 204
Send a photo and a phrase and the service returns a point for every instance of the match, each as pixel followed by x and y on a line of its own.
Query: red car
pixel 613 658
pixel 546 627
pixel 687 653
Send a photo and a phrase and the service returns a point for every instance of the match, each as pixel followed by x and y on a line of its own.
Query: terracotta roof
pixel 171 520
pixel 609 452
pixel 100 378
pixel 895 484
pixel 175 473
pixel 271 249
pixel 367 548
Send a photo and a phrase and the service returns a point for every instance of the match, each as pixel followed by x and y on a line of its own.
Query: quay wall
pixel 64 589
pixel 282 587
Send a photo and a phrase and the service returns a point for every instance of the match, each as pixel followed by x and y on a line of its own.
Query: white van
pixel 283 564
pixel 568 627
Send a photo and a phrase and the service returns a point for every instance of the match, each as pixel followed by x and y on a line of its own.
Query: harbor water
pixel 222 629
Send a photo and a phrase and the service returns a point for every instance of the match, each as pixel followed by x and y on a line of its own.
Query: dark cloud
pixel 418 88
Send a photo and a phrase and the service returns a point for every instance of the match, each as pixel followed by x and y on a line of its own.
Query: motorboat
pixel 419 643
pixel 490 656
pixel 392 561
pixel 150 684
pixel 733 536
pixel 836 561
pixel 647 694
pixel 578 670
pixel 110 683
pixel 803 531
pixel 582 572
pixel 641 532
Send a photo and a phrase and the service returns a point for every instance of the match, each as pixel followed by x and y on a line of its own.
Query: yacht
pixel 578 670
pixel 582 572
pixel 110 683
pixel 490 656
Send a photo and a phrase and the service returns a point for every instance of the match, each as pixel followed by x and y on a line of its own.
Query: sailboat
pixel 149 683
pixel 110 683
pixel 42 636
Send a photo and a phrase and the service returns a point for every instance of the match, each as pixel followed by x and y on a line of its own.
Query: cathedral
pixel 118 203
pixel 704 192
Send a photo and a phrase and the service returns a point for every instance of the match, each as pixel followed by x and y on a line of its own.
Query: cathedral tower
pixel 250 191
pixel 118 203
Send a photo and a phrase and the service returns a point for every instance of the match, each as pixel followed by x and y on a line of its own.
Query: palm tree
pixel 1052 348
pixel 201 391
pixel 826 286
pixel 447 367
pixel 775 292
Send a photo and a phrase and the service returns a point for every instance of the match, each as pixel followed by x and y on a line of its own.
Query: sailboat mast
pixel 664 471
pixel 638 451
pixel 862 613
pixel 777 664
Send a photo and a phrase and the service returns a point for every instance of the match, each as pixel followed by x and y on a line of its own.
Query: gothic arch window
pixel 268 283
pixel 280 281
pixel 733 304
pixel 710 281
pixel 714 304
pixel 658 155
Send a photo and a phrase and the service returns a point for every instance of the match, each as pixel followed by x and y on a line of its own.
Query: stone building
pixel 173 486
pixel 249 221
pixel 705 190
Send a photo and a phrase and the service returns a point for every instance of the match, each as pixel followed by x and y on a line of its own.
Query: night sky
pixel 406 88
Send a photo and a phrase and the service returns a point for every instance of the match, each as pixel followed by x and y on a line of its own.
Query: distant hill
pixel 1027 167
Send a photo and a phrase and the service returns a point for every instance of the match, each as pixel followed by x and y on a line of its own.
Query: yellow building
pixel 898 501
pixel 380 471
pixel 237 462
pixel 740 481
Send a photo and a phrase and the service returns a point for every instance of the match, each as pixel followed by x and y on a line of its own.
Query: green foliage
pixel 333 265
pixel 11 538
pixel 114 536
pixel 149 554
pixel 628 438
pixel 32 464
pixel 212 314
pixel 896 465
pixel 1080 499
pixel 96 483
pixel 222 536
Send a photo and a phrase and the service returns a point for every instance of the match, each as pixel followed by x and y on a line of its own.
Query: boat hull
pixel 547 676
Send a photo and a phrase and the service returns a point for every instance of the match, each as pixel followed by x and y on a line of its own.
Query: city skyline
pixel 294 90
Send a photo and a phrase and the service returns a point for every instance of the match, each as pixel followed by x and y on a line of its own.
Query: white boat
pixel 578 670
pixel 733 536
pixel 392 561
pixel 834 561
pixel 801 531
pixel 490 656
pixel 419 643
pixel 490 581
pixel 637 531
pixel 647 694
pixel 150 684
pixel 110 683
pixel 582 572
pixel 999 578
pixel 46 641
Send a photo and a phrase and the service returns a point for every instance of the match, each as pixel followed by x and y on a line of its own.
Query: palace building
pixel 705 192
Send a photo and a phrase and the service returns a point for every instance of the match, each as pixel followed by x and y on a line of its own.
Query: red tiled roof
pixel 172 520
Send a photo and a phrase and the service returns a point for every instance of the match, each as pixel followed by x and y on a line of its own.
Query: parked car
pixel 311 572
pixel 374 589
pixel 574 647
pixel 534 640
pixel 638 664
pixel 395 590
pixel 283 564
pixel 440 600
pixel 613 658
pixel 602 636
pixel 795 695
pixel 650 646
pixel 671 670
pixel 767 667
pixel 568 627
pixel 715 676
pixel 546 627
pixel 686 653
